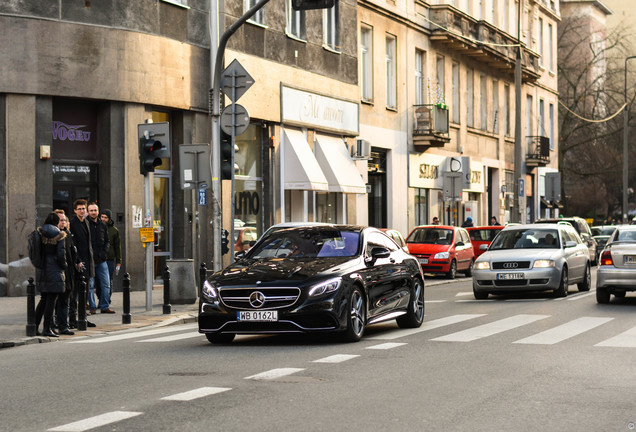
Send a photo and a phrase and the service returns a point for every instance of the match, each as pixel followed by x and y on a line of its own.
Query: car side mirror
pixel 459 243
pixel 570 243
pixel 483 247
pixel 380 252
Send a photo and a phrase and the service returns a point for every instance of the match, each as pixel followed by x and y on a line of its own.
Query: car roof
pixel 543 225
pixel 497 227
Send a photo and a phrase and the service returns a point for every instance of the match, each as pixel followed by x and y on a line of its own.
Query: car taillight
pixel 606 258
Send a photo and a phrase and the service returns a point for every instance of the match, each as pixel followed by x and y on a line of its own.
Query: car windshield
pixel 527 238
pixel 626 235
pixel 308 242
pixel 483 234
pixel 607 231
pixel 431 236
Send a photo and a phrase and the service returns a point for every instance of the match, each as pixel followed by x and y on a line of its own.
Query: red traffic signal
pixel 149 154
pixel 312 4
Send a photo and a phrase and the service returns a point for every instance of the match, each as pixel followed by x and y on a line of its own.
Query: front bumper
pixel 544 279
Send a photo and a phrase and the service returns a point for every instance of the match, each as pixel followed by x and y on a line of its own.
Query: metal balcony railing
pixel 430 125
pixel 538 151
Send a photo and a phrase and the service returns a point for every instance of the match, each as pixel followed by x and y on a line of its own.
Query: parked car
pixel 533 257
pixel 442 249
pixel 617 267
pixel 582 228
pixel 396 236
pixel 313 278
pixel 482 236
pixel 601 234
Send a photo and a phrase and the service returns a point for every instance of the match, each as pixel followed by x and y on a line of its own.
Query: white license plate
pixel 423 260
pixel 630 259
pixel 508 276
pixel 257 315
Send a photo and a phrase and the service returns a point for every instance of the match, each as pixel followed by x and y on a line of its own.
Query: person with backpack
pixel 50 279
pixel 62 306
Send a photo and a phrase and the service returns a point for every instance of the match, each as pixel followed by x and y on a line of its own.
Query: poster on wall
pixel 74 129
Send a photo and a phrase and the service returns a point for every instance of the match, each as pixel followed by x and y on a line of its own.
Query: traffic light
pixel 312 4
pixel 226 156
pixel 225 242
pixel 153 145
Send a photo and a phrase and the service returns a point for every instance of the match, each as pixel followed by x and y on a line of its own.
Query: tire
pixel 480 295
pixel 585 284
pixel 602 296
pixel 452 272
pixel 356 316
pixel 220 338
pixel 562 291
pixel 415 314
pixel 469 270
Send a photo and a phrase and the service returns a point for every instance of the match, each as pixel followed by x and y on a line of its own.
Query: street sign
pixel 194 164
pixel 235 81
pixel 203 197
pixel 234 119
pixel 147 234
pixel 522 188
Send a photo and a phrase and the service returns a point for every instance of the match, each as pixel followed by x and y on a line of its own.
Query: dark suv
pixel 581 227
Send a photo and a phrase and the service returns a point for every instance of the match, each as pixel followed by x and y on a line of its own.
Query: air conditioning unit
pixel 361 150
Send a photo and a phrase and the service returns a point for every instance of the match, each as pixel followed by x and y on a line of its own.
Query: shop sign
pixel 73 130
pixel 316 111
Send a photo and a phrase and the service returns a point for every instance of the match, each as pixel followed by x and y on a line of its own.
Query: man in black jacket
pixel 62 305
pixel 82 240
pixel 99 239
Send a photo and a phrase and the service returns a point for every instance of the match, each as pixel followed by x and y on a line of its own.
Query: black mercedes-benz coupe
pixel 314 278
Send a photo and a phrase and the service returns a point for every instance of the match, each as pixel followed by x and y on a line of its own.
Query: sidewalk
pixel 13 317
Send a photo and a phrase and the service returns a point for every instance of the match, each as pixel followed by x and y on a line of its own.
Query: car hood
pixel 519 254
pixel 246 271
pixel 424 248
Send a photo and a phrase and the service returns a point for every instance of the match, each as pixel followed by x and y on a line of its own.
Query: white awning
pixel 301 169
pixel 340 170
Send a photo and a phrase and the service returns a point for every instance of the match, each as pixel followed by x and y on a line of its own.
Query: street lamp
pixel 625 137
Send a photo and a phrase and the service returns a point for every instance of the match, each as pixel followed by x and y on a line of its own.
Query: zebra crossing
pixel 475 327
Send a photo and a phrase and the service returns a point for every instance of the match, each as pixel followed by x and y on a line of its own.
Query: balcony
pixel 457 24
pixel 538 151
pixel 430 126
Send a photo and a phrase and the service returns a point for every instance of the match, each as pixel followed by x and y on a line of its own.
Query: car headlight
pixel 325 287
pixel 543 263
pixel 441 255
pixel 210 290
pixel 482 265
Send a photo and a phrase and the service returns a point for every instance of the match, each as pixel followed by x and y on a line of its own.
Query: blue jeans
pixel 101 274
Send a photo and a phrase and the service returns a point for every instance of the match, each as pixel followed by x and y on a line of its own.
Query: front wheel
pixel 469 270
pixel 480 295
pixel 585 284
pixel 415 314
pixel 220 338
pixel 452 272
pixel 562 291
pixel 602 296
pixel 356 316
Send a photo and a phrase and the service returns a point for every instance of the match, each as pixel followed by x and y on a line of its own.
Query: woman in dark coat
pixel 51 279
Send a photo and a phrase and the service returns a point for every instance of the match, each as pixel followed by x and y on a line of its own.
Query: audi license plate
pixel 423 260
pixel 630 259
pixel 508 276
pixel 257 315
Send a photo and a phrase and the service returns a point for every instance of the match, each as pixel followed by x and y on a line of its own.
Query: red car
pixel 482 236
pixel 442 249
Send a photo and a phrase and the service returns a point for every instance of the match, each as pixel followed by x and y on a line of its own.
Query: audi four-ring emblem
pixel 510 265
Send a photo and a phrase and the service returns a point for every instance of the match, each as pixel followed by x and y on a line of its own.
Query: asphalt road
pixel 523 362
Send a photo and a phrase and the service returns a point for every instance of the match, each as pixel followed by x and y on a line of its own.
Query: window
pixel 391 85
pixel 483 102
pixel 550 59
pixel 540 41
pixel 455 106
pixel 495 106
pixel 440 80
pixel 331 27
pixel 504 15
pixel 506 110
pixel 541 117
pixel 420 96
pixel 469 98
pixel 366 61
pixel 295 22
pixel 421 208
pixel 551 114
pixel 529 119
pixel 259 16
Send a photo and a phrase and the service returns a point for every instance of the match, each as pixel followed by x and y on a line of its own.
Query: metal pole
pixel 126 317
pixel 30 327
pixel 81 301
pixel 517 208
pixel 625 151
pixel 149 222
pixel 167 307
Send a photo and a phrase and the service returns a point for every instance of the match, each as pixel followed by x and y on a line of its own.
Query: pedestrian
pixel 50 279
pixel 468 222
pixel 99 240
pixel 62 306
pixel 82 240
pixel 113 256
pixel 494 222
pixel 435 220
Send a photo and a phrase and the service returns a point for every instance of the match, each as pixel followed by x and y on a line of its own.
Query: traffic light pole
pixel 149 221
pixel 215 153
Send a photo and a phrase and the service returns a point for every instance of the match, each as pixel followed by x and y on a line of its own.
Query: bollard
pixel 167 308
pixel 203 273
pixel 30 327
pixel 125 317
pixel 81 302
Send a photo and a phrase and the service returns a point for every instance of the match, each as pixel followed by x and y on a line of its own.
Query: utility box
pixel 183 284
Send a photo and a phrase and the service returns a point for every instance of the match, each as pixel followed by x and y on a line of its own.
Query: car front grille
pixel 511 265
pixel 274 298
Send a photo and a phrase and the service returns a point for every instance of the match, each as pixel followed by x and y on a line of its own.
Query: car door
pixel 463 249
pixel 576 256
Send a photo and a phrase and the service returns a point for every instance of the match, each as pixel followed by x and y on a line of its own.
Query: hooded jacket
pixel 52 278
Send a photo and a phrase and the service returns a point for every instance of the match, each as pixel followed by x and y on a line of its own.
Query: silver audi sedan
pixel 617 265
pixel 534 257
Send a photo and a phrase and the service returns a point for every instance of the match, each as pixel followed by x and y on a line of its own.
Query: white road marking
pixel 132 335
pixel 564 331
pixel 434 301
pixel 490 329
pixel 97 421
pixel 337 358
pixel 196 394
pixel 426 325
pixel 624 340
pixel 274 373
pixel 174 337
pixel 386 346
pixel 465 293
pixel 580 296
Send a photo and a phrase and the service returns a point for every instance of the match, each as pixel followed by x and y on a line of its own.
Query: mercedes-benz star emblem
pixel 510 265
pixel 257 299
